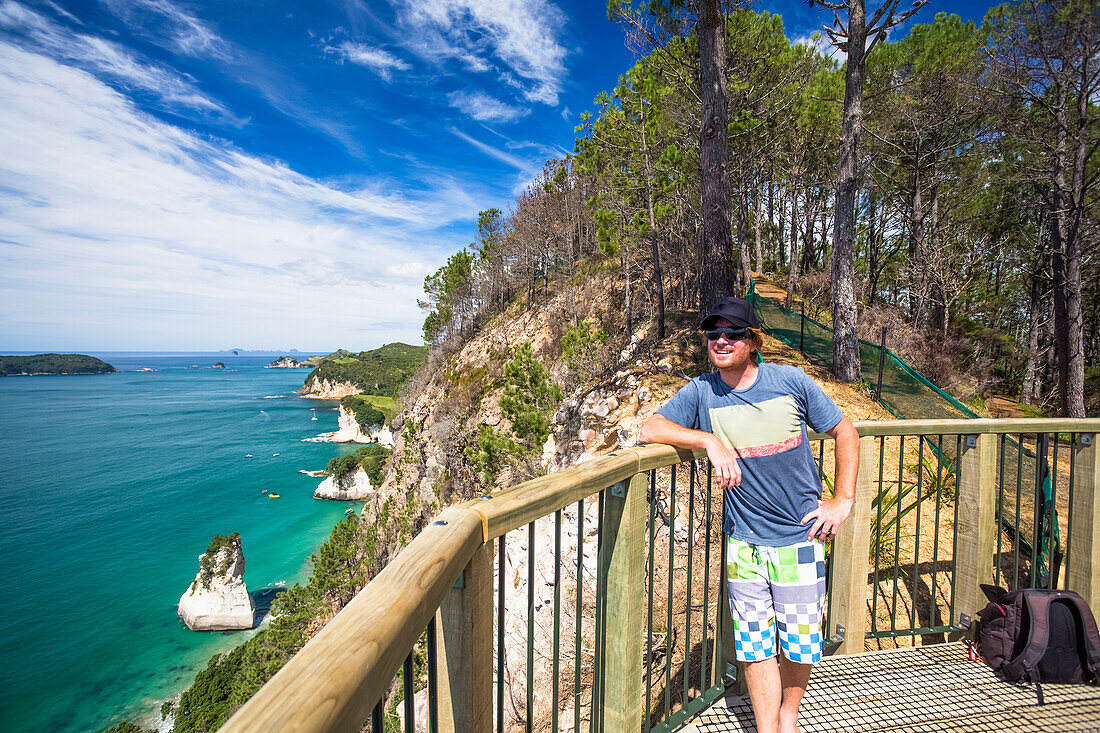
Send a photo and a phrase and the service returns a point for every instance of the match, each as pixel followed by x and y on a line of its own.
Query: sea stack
pixel 217 599
pixel 355 486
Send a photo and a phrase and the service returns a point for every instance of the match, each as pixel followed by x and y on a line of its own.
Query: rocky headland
pixel 217 599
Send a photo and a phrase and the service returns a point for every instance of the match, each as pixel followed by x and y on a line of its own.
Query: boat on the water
pixel 272 496
pixel 247 455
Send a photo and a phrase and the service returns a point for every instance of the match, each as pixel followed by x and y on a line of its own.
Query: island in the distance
pixel 40 364
pixel 288 362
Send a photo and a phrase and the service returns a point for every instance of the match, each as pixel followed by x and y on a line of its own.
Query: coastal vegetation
pixel 41 364
pixel 528 398
pixel 371 458
pixel 207 569
pixel 377 372
pixel 367 409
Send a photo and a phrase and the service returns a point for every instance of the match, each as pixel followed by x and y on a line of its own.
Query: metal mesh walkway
pixel 931 688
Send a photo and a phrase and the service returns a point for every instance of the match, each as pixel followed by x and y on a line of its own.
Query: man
pixel 751 419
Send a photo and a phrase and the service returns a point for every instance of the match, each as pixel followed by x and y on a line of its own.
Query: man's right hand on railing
pixel 659 429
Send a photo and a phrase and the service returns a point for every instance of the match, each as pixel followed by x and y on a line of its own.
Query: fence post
pixel 620 625
pixel 975 496
pixel 802 330
pixel 1083 574
pixel 851 556
pixel 465 624
pixel 881 362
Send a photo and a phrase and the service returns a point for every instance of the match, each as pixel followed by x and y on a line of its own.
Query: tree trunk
pixel 759 220
pixel 655 251
pixel 846 365
pixel 1059 235
pixel 1029 392
pixel 745 273
pixel 792 276
pixel 916 252
pixel 780 248
pixel 716 266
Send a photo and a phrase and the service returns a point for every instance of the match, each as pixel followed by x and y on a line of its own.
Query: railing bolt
pixel 838 635
pixel 964 621
pixel 972 441
pixel 1086 438
pixel 619 490
pixel 439 523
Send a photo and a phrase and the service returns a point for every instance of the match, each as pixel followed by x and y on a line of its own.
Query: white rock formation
pixel 352 432
pixel 353 487
pixel 328 390
pixel 224 603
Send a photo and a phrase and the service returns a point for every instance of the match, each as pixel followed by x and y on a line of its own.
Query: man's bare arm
pixel 831 513
pixel 659 429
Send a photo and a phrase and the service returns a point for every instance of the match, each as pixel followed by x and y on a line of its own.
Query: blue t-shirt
pixel 765 424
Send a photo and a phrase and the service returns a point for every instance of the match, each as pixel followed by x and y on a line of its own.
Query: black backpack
pixel 1038 636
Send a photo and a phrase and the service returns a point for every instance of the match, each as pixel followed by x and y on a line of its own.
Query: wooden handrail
pixel 333 682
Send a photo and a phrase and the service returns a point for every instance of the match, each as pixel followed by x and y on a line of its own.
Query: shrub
pixel 371 458
pixel 364 411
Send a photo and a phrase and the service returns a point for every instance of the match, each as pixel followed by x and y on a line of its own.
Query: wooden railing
pixel 443 581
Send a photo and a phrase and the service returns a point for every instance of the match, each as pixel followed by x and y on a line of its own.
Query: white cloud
pixel 522 35
pixel 378 60
pixel 164 22
pixel 120 231
pixel 484 108
pixel 518 163
pixel 177 93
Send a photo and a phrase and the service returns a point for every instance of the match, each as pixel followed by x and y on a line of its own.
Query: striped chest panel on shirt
pixel 761 429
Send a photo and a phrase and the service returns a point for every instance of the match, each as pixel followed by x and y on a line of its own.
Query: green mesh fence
pixel 1025 503
pixel 904 392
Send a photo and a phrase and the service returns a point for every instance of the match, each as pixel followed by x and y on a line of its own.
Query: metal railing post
pixel 977 477
pixel 881 363
pixel 465 667
pixel 1083 574
pixel 851 557
pixel 617 702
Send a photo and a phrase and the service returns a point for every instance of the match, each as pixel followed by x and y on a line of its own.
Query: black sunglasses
pixel 731 334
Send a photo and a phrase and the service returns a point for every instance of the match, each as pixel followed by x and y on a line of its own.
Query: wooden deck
pixel 932 688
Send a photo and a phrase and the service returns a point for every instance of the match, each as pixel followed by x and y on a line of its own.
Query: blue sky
pixel 196 175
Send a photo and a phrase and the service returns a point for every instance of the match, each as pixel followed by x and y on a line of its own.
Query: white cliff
pixel 328 389
pixel 217 599
pixel 352 432
pixel 356 486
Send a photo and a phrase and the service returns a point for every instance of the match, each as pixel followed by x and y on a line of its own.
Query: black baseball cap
pixel 735 310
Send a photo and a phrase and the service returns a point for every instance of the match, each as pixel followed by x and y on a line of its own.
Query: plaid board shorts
pixel 776 589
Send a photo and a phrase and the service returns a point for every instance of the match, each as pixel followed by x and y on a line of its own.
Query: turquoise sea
pixel 111 486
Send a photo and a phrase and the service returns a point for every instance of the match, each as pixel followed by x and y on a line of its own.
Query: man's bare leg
pixel 766 692
pixel 795 677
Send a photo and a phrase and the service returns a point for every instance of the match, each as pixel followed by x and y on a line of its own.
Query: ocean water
pixel 111 486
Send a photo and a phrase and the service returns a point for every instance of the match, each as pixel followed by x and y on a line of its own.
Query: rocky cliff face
pixel 351 431
pixel 355 486
pixel 328 390
pixel 222 603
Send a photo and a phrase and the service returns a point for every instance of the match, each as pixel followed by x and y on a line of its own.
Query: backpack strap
pixel 1088 625
pixel 1038 635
